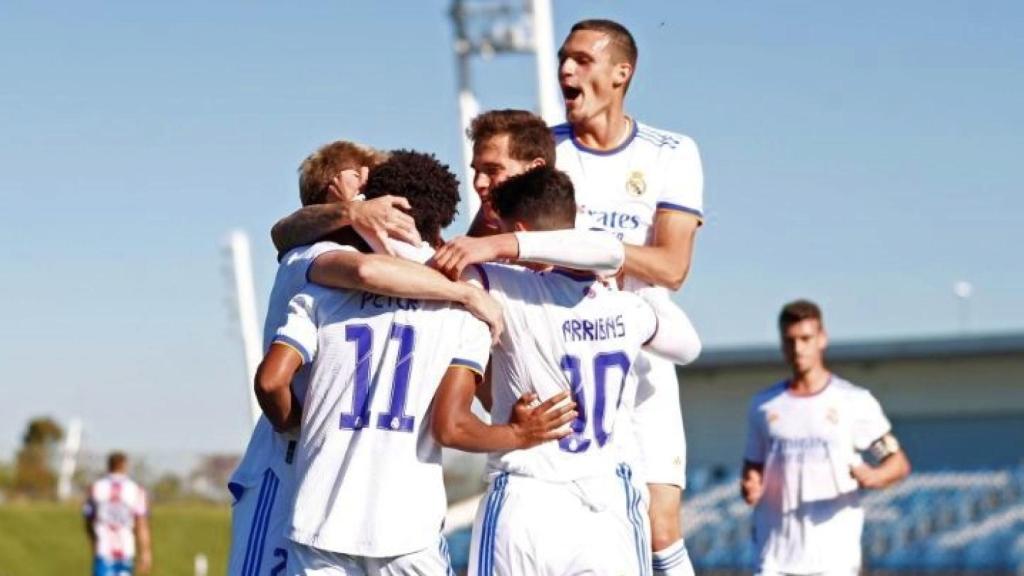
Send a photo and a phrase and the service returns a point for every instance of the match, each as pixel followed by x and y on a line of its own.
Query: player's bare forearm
pixel 666 261
pixel 145 548
pixel 306 225
pixel 454 425
pixel 273 386
pixel 390 276
pixel 385 275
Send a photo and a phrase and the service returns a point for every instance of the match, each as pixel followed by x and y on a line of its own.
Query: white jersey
pixel 115 502
pixel 266 446
pixel 263 484
pixel 809 519
pixel 563 332
pixel 620 190
pixel 368 468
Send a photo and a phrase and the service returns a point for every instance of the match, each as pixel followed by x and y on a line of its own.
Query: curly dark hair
pixel 429 185
pixel 543 198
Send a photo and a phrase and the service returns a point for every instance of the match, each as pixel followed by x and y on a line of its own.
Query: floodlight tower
pixel 244 299
pixel 490 28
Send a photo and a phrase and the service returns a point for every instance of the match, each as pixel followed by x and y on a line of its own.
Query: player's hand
pixel 866 476
pixel 348 183
pixel 752 487
pixel 546 421
pixel 480 304
pixel 452 258
pixel 378 219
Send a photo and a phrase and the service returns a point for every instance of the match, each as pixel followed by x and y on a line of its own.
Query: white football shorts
pixel 258 520
pixel 433 561
pixel 530 526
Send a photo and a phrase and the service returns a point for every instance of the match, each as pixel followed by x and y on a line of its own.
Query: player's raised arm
pixel 593 250
pixel 377 218
pixel 391 276
pixel 665 261
pixel 675 339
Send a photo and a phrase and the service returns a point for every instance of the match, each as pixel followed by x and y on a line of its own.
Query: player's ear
pixel 621 74
pixel 536 163
pixel 520 226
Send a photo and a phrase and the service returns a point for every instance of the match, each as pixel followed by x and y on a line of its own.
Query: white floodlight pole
pixel 468 109
pixel 245 299
pixel 548 96
pixel 69 458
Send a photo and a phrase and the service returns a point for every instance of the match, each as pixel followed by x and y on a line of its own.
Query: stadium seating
pixel 950 522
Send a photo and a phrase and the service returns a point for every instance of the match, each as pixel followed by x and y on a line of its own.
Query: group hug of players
pixel 553 311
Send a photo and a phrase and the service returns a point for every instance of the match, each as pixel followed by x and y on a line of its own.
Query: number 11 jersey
pixel 368 468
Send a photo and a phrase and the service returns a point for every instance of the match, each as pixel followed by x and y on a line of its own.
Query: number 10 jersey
pixel 566 331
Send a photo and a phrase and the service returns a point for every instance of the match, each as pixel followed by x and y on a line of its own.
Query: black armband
pixel 884 447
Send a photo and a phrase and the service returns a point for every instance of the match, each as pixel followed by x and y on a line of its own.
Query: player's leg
pixel 661 441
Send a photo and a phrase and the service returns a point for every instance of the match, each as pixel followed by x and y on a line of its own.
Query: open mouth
pixel 571 93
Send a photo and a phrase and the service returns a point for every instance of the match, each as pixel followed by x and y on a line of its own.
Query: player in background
pixel 116 522
pixel 370 496
pixel 802 466
pixel 646 185
pixel 262 485
pixel 565 330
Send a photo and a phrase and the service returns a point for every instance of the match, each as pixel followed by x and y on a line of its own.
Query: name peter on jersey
pixel 379 302
pixel 594 330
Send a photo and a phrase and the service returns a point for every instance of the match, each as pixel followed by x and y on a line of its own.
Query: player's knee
pixel 665 515
pixel 664 533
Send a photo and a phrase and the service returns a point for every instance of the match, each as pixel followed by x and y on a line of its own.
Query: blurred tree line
pixel 33 474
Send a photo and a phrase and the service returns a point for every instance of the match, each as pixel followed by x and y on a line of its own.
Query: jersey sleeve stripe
pixel 469 364
pixel 679 208
pixel 294 345
pixel 657 324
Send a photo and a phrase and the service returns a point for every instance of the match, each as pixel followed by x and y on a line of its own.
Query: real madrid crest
pixel 636 185
pixel 832 415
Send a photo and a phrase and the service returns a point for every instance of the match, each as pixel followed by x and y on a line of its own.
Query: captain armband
pixel 884 447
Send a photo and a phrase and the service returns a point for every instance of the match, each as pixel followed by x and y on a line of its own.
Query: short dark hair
pixel 797 311
pixel 429 186
pixel 622 40
pixel 543 197
pixel 116 461
pixel 528 135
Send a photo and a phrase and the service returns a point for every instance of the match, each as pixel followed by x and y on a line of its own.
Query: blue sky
pixel 863 154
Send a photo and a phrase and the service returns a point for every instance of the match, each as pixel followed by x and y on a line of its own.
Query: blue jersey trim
pixel 294 344
pixel 495 500
pixel 634 514
pixel 261 519
pixel 579 276
pixel 678 208
pixel 464 363
pixel 616 150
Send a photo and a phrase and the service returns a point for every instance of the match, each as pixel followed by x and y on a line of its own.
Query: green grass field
pixel 48 539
